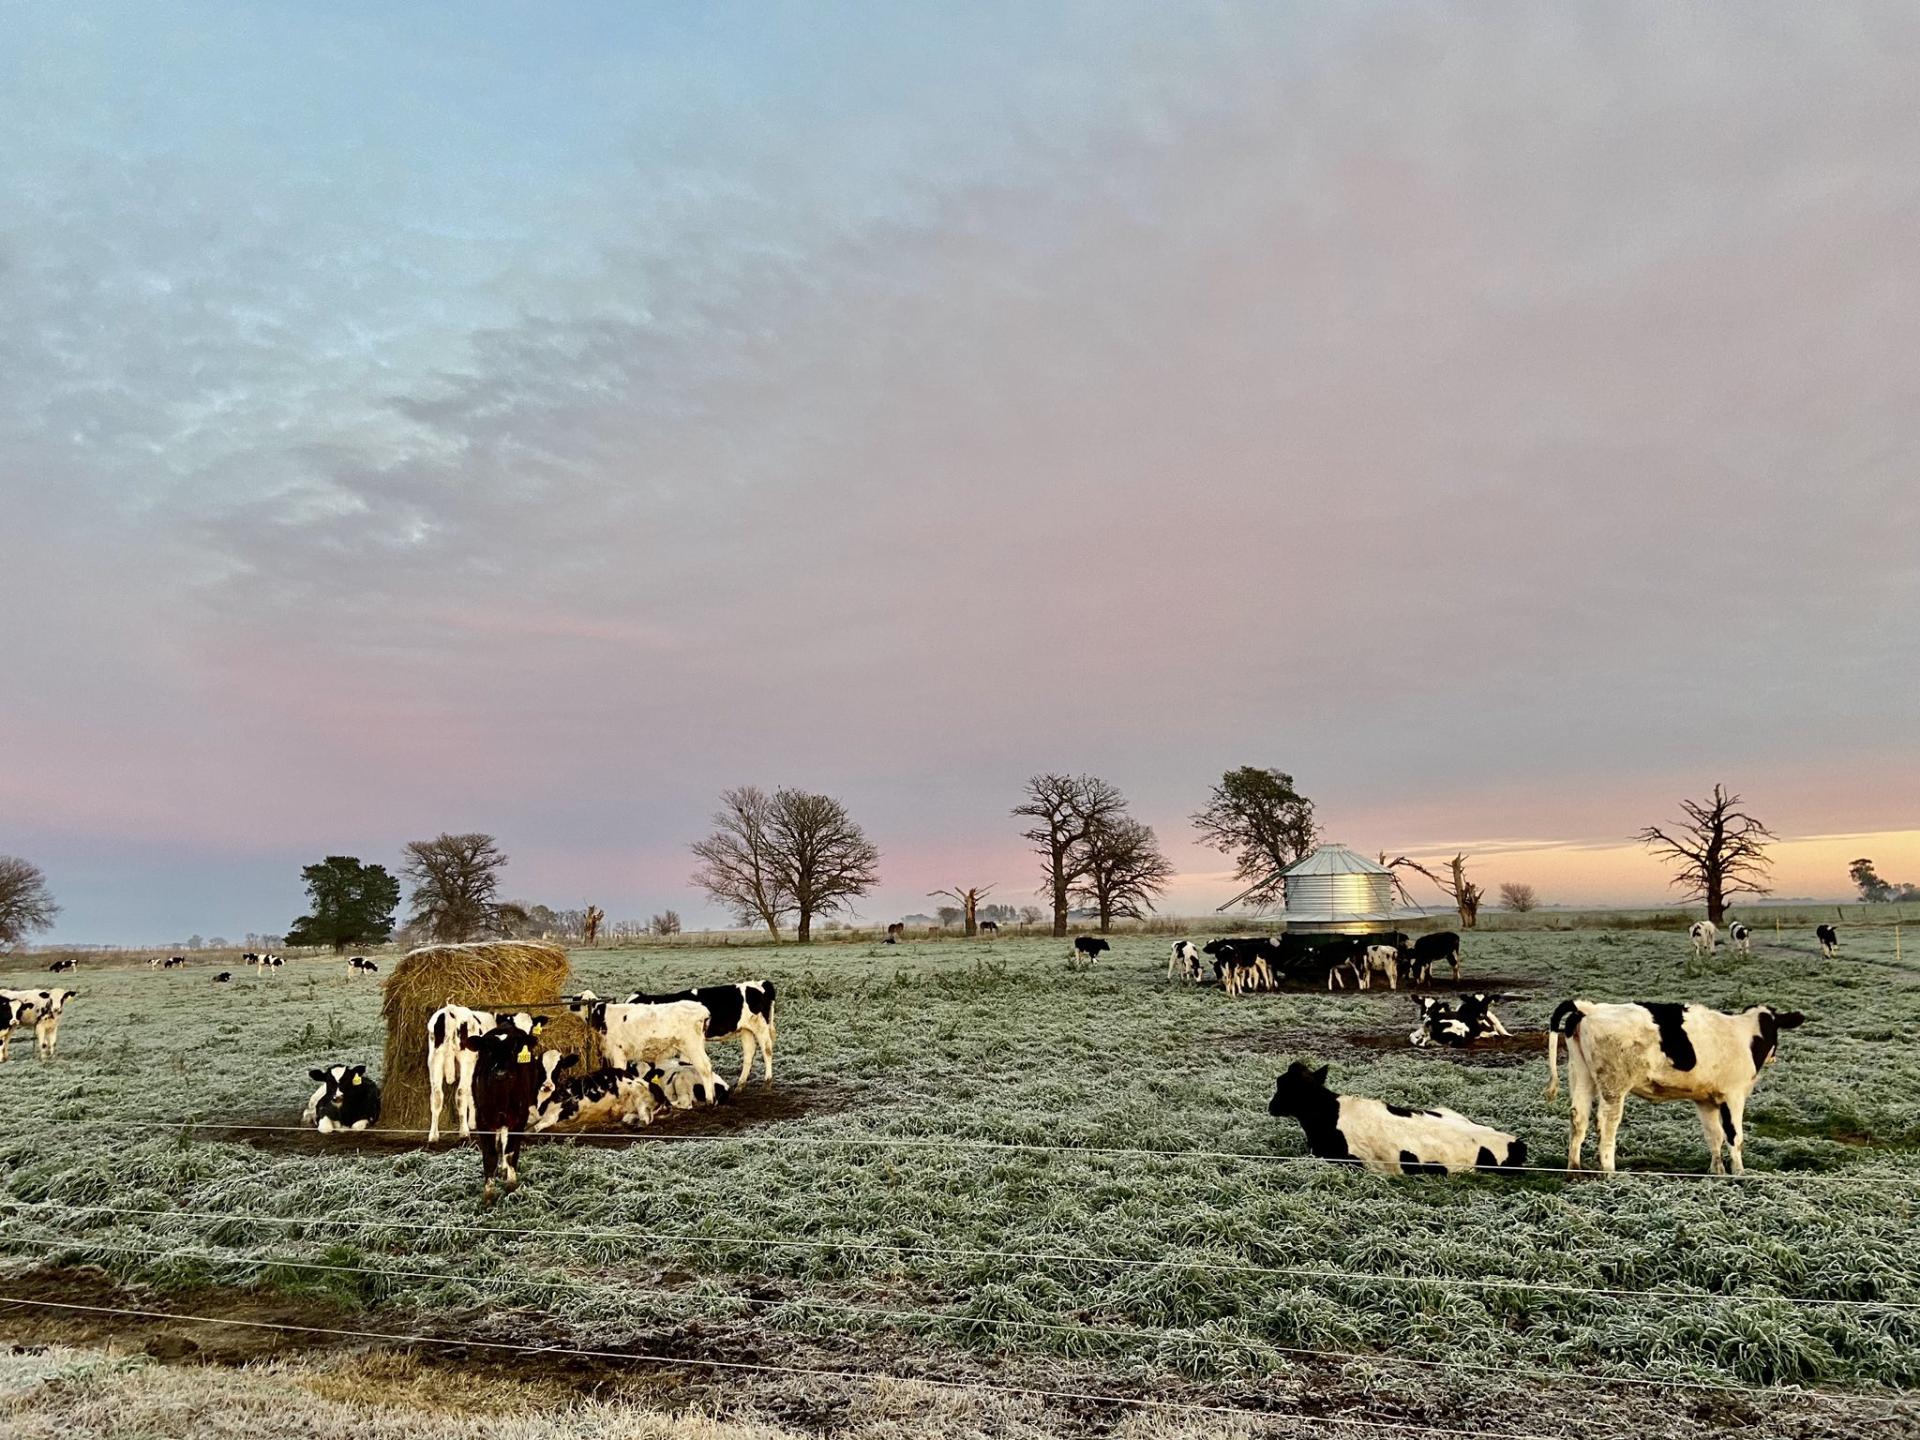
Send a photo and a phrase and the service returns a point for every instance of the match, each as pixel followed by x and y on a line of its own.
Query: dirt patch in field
pixel 282 1133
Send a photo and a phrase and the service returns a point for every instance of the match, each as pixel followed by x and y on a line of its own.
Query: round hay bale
pixel 498 975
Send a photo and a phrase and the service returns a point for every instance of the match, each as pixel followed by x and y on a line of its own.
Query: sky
pixel 1503 418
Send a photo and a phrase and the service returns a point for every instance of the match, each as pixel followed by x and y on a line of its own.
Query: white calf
pixel 1706 937
pixel 1662 1052
pixel 1380 960
pixel 648 1033
pixel 38 1008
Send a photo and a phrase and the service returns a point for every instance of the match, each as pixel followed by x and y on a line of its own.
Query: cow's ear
pixel 1791 1020
pixel 568 1059
pixel 319 1075
pixel 1321 1074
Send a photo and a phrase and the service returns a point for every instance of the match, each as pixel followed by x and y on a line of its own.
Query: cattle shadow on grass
pixel 281 1132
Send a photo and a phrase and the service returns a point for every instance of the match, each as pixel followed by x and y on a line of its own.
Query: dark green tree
pixel 349 904
pixel 1257 817
pixel 1873 889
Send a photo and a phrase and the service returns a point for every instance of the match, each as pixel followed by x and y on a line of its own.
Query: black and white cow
pixel 650 1033
pixel 682 1088
pixel 1455 1024
pixel 596 1096
pixel 174 962
pixel 38 1008
pixel 1343 961
pixel 1427 951
pixel 1184 960
pixel 1662 1052
pixel 156 962
pixel 60 967
pixel 450 1063
pixel 506 1088
pixel 1829 939
pixel 895 931
pixel 345 1100
pixel 249 958
pixel 1705 936
pixel 741 1011
pixel 360 965
pixel 223 978
pixel 1388 1139
pixel 1380 960
pixel 1089 948
pixel 1741 938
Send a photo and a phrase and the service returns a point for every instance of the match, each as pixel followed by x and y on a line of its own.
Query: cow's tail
pixel 1566 1020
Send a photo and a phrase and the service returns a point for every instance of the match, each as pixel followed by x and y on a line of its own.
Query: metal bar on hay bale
pixel 498 975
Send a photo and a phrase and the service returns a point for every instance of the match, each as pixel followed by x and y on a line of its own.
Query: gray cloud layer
pixel 1496 416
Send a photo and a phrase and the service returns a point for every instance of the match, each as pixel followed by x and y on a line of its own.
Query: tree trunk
pixel 970 900
pixel 1059 894
pixel 805 936
pixel 1716 899
pixel 773 927
pixel 1106 918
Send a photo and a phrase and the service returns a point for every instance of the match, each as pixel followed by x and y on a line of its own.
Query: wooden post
pixel 1896 940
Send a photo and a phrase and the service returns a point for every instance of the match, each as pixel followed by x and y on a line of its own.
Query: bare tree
pixel 455 879
pixel 948 916
pixel 739 863
pixel 823 857
pixel 1031 914
pixel 1125 870
pixel 1065 808
pixel 1464 893
pixel 26 904
pixel 1258 817
pixel 1518 897
pixel 1720 851
pixel 968 900
pixel 591 919
pixel 666 923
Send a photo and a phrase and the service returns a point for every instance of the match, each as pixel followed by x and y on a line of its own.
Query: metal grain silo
pixel 1338 891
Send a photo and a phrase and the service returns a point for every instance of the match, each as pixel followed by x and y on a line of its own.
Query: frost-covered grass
pixel 1016 1259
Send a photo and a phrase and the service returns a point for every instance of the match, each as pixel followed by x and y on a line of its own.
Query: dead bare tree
pixel 1125 871
pixel 1464 894
pixel 1065 808
pixel 590 921
pixel 969 901
pixel 739 863
pixel 26 904
pixel 1720 849
pixel 821 855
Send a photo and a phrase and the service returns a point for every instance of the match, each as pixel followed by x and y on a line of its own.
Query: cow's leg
pixel 1580 1098
pixel 1611 1107
pixel 463 1097
pixel 1393 975
pixel 766 1050
pixel 1716 1137
pixel 44 1034
pixel 1456 965
pixel 434 1081
pixel 1734 1118
pixel 510 1155
pixel 746 1054
pixel 489 1161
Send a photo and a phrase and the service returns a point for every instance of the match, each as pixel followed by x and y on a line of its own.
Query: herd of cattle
pixel 503 1084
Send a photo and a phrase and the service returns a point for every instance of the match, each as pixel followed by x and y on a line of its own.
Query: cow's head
pixel 1302 1087
pixel 1768 1024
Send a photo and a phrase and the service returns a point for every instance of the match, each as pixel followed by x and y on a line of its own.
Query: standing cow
pixel 1829 939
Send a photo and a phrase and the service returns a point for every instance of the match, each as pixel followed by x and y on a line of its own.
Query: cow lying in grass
pixel 38 1008
pixel 1662 1052
pixel 597 1096
pixel 450 1063
pixel 1458 1023
pixel 742 1011
pixel 680 1086
pixel 1388 1139
pixel 345 1100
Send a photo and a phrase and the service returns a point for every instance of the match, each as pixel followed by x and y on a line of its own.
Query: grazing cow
pixel 650 1033
pixel 1343 959
pixel 272 962
pixel 680 1085
pixel 155 963
pixel 1429 950
pixel 895 931
pixel 1089 948
pixel 1380 960
pixel 1706 937
pixel 174 962
pixel 1388 1139
pixel 1662 1052
pixel 360 965
pixel 1184 960
pixel 1741 937
pixel 38 1008
pixel 1829 939
pixel 60 967
pixel 249 958
pixel 742 1011
pixel 345 1100
pixel 506 1087
pixel 1244 970
pixel 598 1095
pixel 450 1063
pixel 224 977
pixel 989 927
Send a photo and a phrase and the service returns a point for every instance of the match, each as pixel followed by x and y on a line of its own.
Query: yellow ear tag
pixel 525 1055
pixel 356 1079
